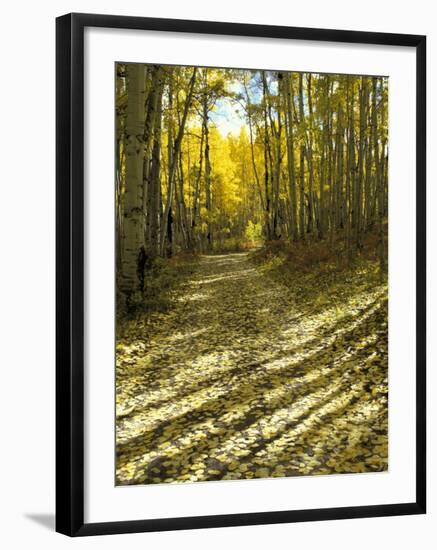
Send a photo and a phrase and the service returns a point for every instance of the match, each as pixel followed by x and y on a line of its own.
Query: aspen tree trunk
pixel 167 218
pixel 277 181
pixel 276 171
pixel 348 170
pixel 151 116
pixel 177 229
pixel 334 188
pixel 310 226
pixel 367 183
pixel 182 206
pixel 351 171
pixel 381 207
pixel 342 197
pixel 152 78
pixel 332 171
pixel 197 189
pixel 360 178
pixel 118 204
pixel 335 158
pixel 385 174
pixel 381 196
pixel 302 193
pixel 271 187
pixel 322 179
pixel 279 155
pixel 252 148
pixel 149 94
pixel 119 152
pixel 266 162
pixel 154 197
pixel 290 155
pixel 302 163
pixel 181 217
pixel 207 166
pixel 352 166
pixel 167 227
pixel 133 246
pixel 324 164
pixel 375 151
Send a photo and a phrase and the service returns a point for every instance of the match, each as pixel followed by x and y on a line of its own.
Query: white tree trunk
pixel 174 158
pixel 133 200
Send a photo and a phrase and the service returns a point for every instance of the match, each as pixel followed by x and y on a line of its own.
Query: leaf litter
pixel 255 372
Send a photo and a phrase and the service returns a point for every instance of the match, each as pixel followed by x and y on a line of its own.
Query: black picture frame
pixel 70 273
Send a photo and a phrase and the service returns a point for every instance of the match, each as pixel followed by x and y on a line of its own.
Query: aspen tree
pixel 133 242
pixel 302 161
pixel 154 195
pixel 173 162
pixel 290 153
pixel 208 204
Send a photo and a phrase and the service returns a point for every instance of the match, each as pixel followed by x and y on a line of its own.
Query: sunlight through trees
pixel 251 274
pixel 309 161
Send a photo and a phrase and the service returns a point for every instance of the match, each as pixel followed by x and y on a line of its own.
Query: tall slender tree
pixel 133 244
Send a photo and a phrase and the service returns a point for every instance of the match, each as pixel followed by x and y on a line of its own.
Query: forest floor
pixel 255 369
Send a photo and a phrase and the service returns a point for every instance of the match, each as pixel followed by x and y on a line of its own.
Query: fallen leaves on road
pixel 250 376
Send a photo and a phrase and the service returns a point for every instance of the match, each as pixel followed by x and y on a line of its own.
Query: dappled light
pixel 249 387
pixel 251 273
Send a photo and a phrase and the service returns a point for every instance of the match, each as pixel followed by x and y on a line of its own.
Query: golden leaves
pixel 255 379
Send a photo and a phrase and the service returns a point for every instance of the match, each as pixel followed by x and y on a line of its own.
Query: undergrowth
pixel 320 271
pixel 161 280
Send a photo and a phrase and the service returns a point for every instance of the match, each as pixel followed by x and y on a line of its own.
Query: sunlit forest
pixel 251 212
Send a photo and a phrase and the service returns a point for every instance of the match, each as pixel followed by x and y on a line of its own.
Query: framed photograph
pixel 240 274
